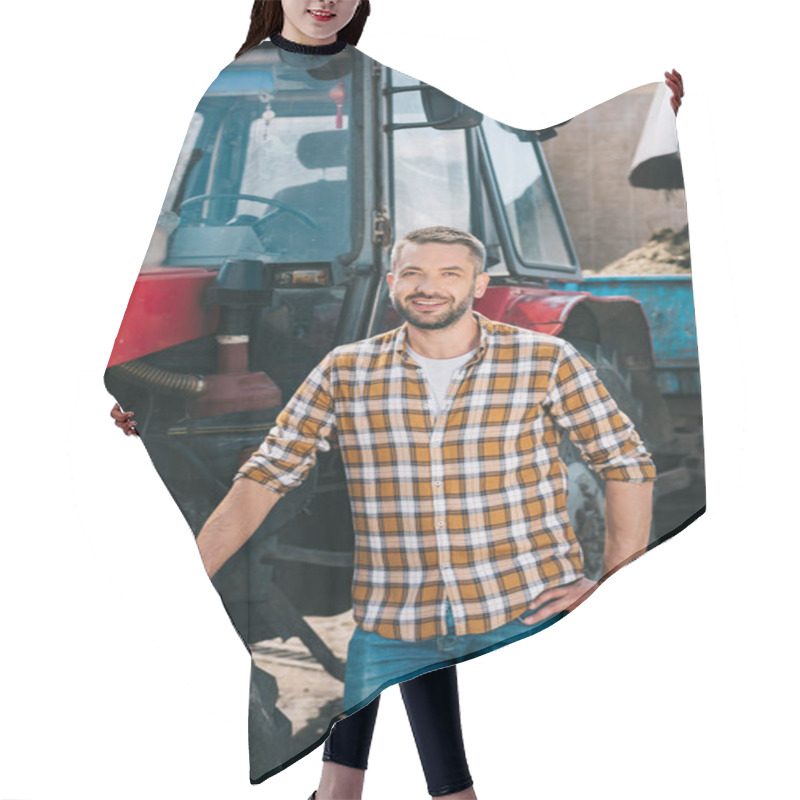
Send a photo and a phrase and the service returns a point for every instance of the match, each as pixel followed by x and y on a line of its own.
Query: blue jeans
pixel 375 662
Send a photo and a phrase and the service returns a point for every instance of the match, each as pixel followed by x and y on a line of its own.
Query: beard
pixel 446 317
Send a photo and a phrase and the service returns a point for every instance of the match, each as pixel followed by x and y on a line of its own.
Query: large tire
pixel 586 495
pixel 269 729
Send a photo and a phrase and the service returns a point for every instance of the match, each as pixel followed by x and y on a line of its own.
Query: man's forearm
pixel 233 522
pixel 629 514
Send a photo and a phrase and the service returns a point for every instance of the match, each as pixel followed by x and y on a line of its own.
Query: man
pixel 449 429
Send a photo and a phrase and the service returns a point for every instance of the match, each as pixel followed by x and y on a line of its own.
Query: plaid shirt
pixel 469 506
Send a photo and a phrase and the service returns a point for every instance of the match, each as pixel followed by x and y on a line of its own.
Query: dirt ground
pixel 308 695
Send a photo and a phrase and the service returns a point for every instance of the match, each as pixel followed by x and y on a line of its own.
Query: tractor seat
pixel 327 202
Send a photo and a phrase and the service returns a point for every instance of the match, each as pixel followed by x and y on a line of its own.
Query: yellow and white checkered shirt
pixel 468 506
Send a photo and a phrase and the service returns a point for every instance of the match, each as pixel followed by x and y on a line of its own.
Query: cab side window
pixel 428 168
pixel 526 197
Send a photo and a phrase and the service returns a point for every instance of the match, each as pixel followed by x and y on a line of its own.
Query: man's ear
pixel 481 284
pixel 389 279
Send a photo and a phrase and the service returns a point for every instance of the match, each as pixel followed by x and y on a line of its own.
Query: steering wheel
pixel 283 207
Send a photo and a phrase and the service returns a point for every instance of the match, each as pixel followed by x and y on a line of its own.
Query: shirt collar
pixel 401 350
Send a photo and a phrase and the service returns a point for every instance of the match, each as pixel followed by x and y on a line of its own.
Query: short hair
pixel 441 234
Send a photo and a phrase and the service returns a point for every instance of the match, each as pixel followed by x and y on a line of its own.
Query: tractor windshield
pixel 265 171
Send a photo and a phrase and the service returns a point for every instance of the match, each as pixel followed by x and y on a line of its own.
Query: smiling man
pixel 449 428
pixel 433 285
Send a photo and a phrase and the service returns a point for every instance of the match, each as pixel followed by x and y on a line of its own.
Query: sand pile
pixel 664 253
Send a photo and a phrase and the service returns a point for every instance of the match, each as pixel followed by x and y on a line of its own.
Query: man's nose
pixel 427 284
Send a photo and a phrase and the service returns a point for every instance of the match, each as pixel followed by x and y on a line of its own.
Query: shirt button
pixel 440 524
pixel 437 483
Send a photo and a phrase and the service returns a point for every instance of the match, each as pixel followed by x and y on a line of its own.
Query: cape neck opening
pixel 307 49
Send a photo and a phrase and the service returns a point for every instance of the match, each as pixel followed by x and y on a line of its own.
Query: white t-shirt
pixel 439 372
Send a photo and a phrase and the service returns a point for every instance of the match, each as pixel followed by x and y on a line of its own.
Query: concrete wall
pixel 590 160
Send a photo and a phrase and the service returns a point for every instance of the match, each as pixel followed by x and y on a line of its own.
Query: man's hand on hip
pixel 562 598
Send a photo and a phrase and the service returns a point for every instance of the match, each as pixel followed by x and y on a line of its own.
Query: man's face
pixel 317 20
pixel 433 285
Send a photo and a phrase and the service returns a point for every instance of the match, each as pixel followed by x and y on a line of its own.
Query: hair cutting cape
pixel 297 173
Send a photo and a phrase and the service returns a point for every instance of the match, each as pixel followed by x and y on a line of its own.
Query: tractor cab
pixel 266 170
pixel 290 163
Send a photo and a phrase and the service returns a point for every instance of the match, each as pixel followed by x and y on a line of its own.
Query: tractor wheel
pixel 269 729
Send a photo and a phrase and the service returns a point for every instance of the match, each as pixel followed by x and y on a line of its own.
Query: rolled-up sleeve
pixel 305 427
pixel 581 405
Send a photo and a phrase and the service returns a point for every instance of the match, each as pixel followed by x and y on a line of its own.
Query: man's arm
pixel 629 514
pixel 629 511
pixel 582 406
pixel 233 522
pixel 306 426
